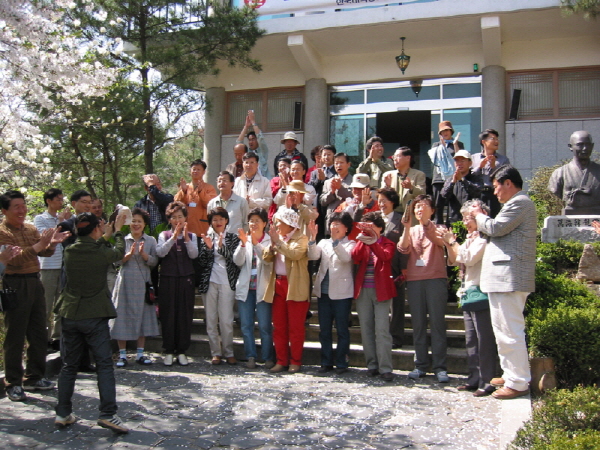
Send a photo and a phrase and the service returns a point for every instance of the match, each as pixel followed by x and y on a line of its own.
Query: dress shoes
pixel 294 368
pixel 388 376
pixel 341 370
pixel 497 382
pixel 466 387
pixel 216 360
pixel 507 393
pixel 277 368
pixel 372 372
pixel 325 369
pixel 481 393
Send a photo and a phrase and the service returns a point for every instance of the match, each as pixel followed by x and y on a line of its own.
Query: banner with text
pixel 271 7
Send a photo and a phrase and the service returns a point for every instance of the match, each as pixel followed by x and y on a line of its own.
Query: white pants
pixel 509 328
pixel 218 306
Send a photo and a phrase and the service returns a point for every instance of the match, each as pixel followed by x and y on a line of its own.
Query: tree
pixel 39 62
pixel 589 8
pixel 102 142
pixel 183 41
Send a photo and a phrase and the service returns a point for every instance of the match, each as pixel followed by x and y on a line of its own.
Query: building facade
pixel 329 73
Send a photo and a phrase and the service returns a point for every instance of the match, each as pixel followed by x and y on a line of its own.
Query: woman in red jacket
pixel 373 290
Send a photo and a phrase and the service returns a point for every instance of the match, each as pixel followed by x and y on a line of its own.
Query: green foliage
pixel 546 203
pixel 103 149
pixel 460 231
pixel 589 8
pixel 562 256
pixel 563 420
pixel 572 337
pixel 184 41
pixel 552 290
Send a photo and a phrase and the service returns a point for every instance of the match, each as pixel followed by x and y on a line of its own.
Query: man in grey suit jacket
pixel 508 276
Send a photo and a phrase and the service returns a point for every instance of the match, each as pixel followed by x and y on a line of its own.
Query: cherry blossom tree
pixel 41 62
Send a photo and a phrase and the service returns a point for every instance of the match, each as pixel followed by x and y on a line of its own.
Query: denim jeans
pixel 262 311
pixel 338 310
pixel 94 333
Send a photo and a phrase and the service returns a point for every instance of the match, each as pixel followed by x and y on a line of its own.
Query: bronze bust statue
pixel 578 182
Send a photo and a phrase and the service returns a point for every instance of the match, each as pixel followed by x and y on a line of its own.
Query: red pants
pixel 288 325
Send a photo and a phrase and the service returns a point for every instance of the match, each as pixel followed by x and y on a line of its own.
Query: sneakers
pixel 416 374
pixel 115 424
pixel 40 385
pixel 168 360
pixel 182 360
pixel 16 393
pixel 64 421
pixel 251 364
pixel 121 362
pixel 442 376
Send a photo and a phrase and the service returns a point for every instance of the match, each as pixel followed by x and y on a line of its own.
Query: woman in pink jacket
pixel 373 290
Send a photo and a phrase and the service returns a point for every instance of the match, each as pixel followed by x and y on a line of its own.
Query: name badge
pixel 420 263
pixel 192 205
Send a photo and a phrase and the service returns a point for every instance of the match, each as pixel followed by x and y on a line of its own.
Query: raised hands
pixel 9 253
pixel 366 196
pixel 313 229
pixel 336 183
pixel 407 183
pixel 207 241
pixel 243 236
pixel 183 185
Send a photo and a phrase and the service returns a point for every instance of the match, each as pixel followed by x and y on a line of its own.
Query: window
pixel 274 109
pixel 557 94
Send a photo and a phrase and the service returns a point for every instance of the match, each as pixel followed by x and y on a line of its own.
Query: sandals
pixel 144 361
pixel 121 362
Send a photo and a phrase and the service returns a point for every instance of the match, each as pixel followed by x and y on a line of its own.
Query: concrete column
pixel 214 123
pixel 493 99
pixel 316 116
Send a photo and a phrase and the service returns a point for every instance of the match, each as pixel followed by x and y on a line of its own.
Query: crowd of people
pixel 257 248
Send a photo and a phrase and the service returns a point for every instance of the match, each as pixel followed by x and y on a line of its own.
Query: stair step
pixel 453 322
pixel 403 359
pixel 456 338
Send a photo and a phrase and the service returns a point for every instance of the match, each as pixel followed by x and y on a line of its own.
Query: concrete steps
pixel 403 358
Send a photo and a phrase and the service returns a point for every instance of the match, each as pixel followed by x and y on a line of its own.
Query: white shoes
pixel 182 360
pixel 168 360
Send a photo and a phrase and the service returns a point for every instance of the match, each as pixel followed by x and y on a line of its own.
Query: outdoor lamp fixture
pixel 416 86
pixel 402 60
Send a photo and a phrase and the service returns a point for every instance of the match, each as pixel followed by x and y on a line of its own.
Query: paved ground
pixel 204 407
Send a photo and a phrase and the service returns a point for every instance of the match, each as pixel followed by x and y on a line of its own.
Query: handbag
pixel 474 300
pixel 150 294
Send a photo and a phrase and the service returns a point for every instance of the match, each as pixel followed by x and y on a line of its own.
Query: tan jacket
pixel 296 265
pixel 418 181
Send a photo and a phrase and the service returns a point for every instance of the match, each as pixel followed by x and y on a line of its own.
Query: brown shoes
pixel 497 382
pixel 481 393
pixel 507 393
pixel 294 368
pixel 277 368
pixel 216 360
pixel 231 360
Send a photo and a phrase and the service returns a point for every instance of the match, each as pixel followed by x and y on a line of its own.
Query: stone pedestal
pixel 575 228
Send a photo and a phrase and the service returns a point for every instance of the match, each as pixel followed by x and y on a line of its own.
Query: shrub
pixel 563 420
pixel 572 337
pixel 562 256
pixel 546 203
pixel 552 290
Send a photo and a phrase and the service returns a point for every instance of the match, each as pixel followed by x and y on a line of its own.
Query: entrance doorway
pixel 406 128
